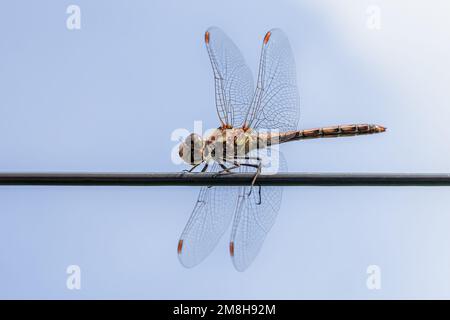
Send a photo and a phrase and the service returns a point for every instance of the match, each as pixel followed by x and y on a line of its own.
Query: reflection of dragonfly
pixel 244 114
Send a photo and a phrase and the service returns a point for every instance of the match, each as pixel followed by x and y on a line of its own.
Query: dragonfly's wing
pixel 275 105
pixel 255 214
pixel 210 218
pixel 276 102
pixel 233 78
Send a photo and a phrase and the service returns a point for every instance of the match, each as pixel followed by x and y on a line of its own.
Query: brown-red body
pixel 227 143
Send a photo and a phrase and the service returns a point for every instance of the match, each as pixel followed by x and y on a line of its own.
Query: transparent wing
pixel 255 215
pixel 233 79
pixel 210 218
pixel 276 103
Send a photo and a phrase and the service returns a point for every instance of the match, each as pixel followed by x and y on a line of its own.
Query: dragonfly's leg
pixel 248 158
pixel 249 165
pixel 193 167
pixel 234 166
pixel 205 167
pixel 259 195
pixel 258 171
pixel 257 166
pixel 225 169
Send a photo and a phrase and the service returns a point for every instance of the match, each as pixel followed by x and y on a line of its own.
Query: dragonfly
pixel 251 119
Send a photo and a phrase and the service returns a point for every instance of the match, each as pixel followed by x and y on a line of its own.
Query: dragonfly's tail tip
pixel 379 128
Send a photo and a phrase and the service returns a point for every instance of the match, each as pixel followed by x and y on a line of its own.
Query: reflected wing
pixel 255 214
pixel 276 103
pixel 210 218
pixel 233 79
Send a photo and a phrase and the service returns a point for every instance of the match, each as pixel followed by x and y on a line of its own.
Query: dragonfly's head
pixel 191 150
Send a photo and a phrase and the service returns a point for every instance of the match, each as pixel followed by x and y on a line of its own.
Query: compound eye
pixel 181 150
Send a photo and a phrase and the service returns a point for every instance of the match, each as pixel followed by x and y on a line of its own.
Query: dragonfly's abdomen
pixel 331 132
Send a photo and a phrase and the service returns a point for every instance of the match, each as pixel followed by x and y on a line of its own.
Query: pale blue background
pixel 107 97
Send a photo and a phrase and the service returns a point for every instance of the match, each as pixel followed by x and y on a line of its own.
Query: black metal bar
pixel 233 179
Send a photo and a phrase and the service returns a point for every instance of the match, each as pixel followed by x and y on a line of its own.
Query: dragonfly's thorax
pixel 228 144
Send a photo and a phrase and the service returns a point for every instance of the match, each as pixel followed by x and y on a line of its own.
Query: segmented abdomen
pixel 330 132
